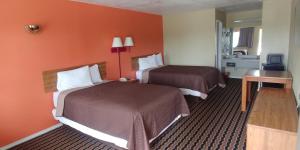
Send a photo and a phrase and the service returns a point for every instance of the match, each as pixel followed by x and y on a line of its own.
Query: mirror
pixel 246 32
pixel 252 40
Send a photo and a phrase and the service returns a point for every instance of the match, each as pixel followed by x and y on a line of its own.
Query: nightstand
pixel 133 80
pixel 130 80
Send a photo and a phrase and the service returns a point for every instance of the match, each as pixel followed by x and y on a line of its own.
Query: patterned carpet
pixel 215 123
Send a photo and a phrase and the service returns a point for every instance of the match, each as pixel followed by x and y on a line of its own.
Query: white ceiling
pixel 170 6
pixel 242 7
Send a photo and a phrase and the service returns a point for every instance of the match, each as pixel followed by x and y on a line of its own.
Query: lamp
pixel 128 42
pixel 117 42
pixel 117 47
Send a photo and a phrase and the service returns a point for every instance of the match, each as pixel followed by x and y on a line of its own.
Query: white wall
pixel 294 62
pixel 189 38
pixel 276 23
pixel 294 54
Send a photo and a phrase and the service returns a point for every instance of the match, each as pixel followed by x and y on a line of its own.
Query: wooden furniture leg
pixel 288 84
pixel 244 94
pixel 249 91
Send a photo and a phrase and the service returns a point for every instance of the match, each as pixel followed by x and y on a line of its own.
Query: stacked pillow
pixel 147 62
pixel 80 77
pixel 159 60
pixel 95 74
pixel 150 61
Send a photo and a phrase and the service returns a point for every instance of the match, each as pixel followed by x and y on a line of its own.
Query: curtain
pixel 246 37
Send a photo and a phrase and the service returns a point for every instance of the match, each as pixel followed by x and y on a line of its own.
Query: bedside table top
pixel 131 80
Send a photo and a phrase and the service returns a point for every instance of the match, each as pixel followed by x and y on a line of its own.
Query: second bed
pixel 191 80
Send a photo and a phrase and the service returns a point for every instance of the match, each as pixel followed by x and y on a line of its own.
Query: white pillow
pixel 152 60
pixel 95 74
pixel 158 59
pixel 74 78
pixel 145 63
pixel 55 98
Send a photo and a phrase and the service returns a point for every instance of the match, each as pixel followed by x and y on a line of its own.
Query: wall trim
pixel 32 136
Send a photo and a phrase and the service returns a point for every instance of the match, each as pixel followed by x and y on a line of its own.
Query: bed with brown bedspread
pixel 197 78
pixel 132 111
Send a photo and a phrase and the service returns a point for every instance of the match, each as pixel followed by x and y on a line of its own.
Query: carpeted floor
pixel 215 123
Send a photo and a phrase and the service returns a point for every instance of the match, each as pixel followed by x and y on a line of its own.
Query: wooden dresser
pixel 273 121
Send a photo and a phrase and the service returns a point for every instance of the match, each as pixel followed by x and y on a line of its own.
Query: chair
pixel 274 63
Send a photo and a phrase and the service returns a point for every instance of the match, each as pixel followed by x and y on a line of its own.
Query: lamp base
pixel 118 49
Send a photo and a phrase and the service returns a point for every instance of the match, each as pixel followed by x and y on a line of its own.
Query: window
pixel 235 38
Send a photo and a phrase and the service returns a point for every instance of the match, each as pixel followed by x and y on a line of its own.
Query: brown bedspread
pixel 198 78
pixel 135 112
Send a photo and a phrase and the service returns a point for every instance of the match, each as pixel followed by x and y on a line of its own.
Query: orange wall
pixel 72 34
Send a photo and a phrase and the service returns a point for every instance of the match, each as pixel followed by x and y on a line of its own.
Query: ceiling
pixel 171 6
pixel 242 7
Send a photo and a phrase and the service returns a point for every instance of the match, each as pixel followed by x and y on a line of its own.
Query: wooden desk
pixel 282 77
pixel 273 121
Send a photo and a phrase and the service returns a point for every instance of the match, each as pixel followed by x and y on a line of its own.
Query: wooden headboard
pixel 50 77
pixel 135 61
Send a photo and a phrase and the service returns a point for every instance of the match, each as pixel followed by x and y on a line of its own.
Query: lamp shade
pixel 117 42
pixel 128 41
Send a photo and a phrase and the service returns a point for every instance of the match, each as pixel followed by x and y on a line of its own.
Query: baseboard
pixel 30 137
